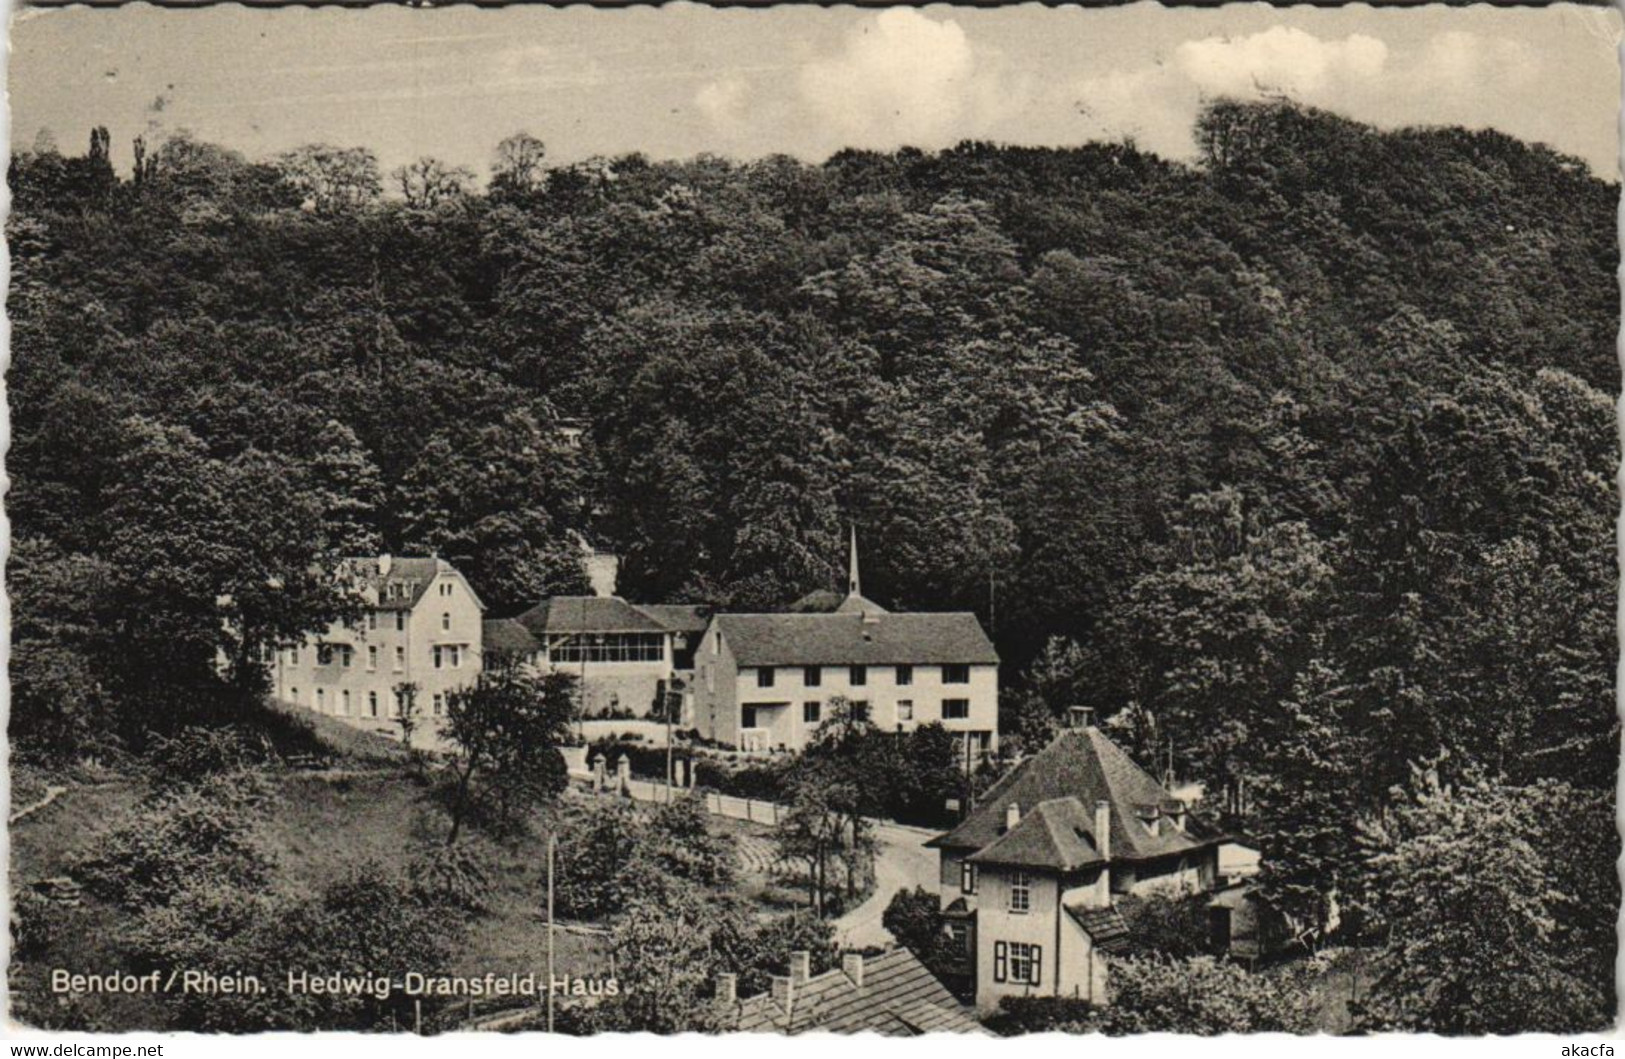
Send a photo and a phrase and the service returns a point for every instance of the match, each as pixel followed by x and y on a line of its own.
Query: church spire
pixel 854 603
pixel 852 586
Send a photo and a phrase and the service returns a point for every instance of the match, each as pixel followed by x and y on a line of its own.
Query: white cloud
pixel 902 78
pixel 1280 59
pixel 1461 61
pixel 1445 78
pixel 723 101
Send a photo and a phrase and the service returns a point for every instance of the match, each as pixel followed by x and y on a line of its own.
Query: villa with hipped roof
pixel 1030 877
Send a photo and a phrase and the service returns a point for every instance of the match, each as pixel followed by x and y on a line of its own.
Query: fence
pixel 726 805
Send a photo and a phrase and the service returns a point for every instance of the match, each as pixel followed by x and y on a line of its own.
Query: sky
pixel 682 80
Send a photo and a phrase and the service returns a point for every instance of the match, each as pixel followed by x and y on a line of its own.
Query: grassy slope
pixel 321 825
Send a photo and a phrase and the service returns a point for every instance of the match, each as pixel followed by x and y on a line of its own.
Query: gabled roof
pixel 506 634
pixel 855 603
pixel 898 998
pixel 818 601
pixel 679 617
pixel 1054 834
pixel 572 614
pixel 1081 765
pixel 856 639
pixel 408 579
pixel 1105 925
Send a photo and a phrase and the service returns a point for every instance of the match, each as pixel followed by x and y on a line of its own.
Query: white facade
pixel 773 707
pixel 425 630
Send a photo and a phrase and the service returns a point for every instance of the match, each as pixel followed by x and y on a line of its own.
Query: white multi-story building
pixel 421 626
pixel 765 681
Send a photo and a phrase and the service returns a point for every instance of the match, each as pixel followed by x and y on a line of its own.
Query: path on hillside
pixel 51 795
pixel 902 861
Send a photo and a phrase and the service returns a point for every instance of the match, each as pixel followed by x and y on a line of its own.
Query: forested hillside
pixel 1300 459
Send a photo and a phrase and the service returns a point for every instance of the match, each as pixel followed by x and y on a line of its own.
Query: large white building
pixel 765 681
pixel 422 625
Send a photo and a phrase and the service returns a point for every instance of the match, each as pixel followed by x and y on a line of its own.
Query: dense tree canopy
pixel 1301 457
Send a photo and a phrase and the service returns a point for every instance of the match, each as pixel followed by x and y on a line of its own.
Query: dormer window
pixel 1149 816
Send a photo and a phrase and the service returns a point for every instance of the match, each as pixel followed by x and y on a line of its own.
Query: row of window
pixel 857 676
pixel 341 700
pixel 812 711
pixel 405 589
pixel 607 647
pixel 400 620
pixel 448 656
pixel 952 710
pixel 1018 962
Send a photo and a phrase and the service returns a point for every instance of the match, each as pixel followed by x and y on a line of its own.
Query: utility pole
pixel 581 681
pixel 667 698
pixel 552 845
pixel 969 787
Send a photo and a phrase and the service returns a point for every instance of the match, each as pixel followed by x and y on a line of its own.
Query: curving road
pixel 901 863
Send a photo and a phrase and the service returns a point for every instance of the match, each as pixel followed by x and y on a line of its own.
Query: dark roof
pixel 1105 925
pixel 678 617
pixel 898 998
pixel 818 601
pixel 858 604
pixel 506 634
pixel 1083 766
pixel 413 575
pixel 853 639
pixel 567 614
pixel 1053 834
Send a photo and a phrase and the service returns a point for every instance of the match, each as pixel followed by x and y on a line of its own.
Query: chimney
pixel 852 967
pixel 1012 816
pixel 727 988
pixel 800 966
pixel 1080 717
pixel 784 993
pixel 384 564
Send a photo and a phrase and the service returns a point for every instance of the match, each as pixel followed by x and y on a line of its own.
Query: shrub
pixel 594 849
pixel 679 841
pixel 203 835
pixel 37 922
pixel 758 951
pixel 195 753
pixel 454 878
pixel 1173 924
pixel 1157 995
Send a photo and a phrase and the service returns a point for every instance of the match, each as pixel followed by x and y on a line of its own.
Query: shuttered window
pixel 1001 960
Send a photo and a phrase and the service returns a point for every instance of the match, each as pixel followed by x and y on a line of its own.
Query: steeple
pixel 854 603
pixel 852 585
